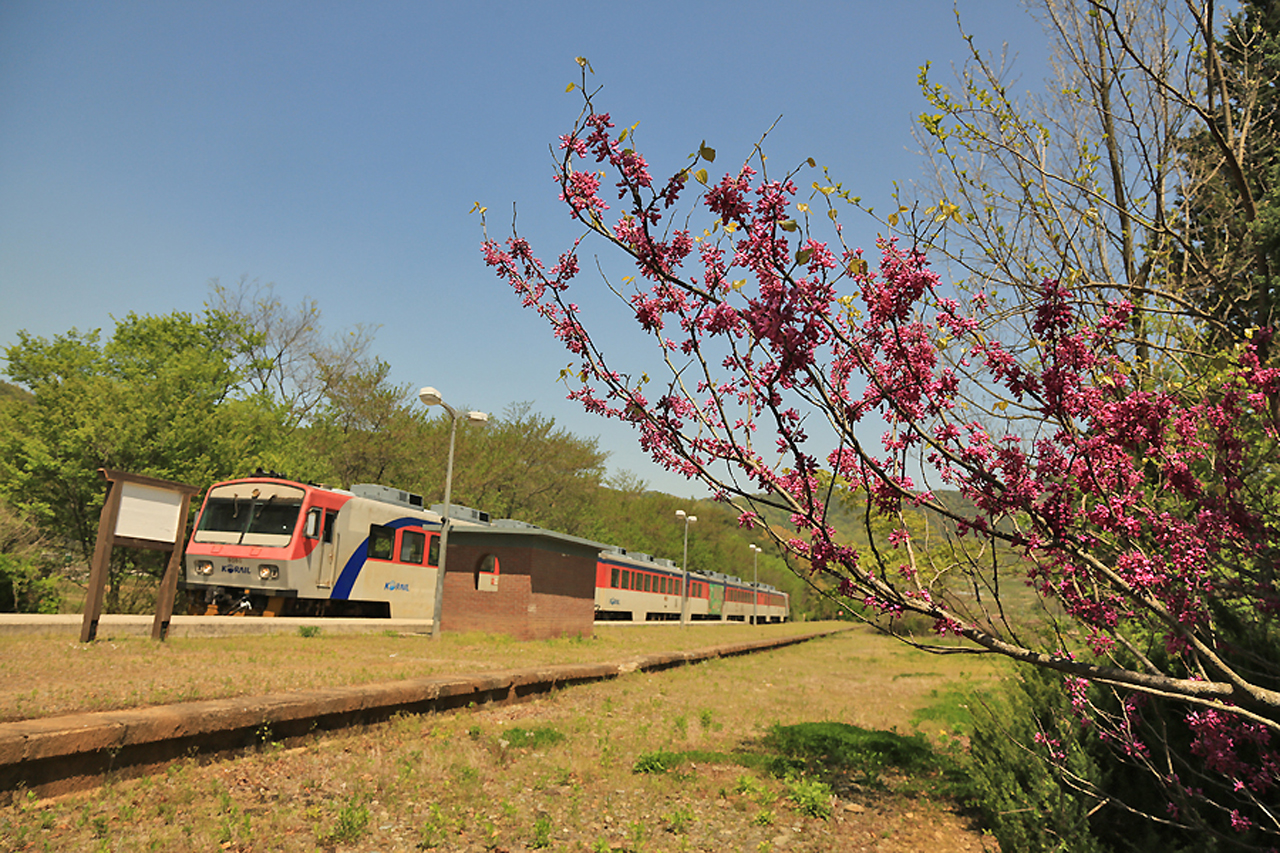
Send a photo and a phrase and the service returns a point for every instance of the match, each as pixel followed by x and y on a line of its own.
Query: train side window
pixel 330 521
pixel 433 553
pixel 312 528
pixel 412 545
pixel 613 579
pixel 382 542
pixel 648 579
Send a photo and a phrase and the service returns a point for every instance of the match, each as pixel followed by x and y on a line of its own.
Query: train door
pixel 321 526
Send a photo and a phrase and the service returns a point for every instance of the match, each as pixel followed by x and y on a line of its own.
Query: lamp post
pixel 431 397
pixel 755 583
pixel 684 564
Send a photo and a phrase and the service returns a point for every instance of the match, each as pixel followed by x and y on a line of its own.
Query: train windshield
pixel 250 514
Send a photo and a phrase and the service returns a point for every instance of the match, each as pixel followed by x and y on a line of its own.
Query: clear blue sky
pixel 335 149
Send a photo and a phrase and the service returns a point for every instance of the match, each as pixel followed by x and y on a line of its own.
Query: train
pixel 268 545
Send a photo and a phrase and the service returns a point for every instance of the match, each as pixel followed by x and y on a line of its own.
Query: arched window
pixel 487 573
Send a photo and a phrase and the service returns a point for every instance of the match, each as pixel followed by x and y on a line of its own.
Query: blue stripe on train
pixel 351 571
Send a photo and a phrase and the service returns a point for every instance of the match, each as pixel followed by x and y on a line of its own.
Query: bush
pixel 28 583
pixel 1015 789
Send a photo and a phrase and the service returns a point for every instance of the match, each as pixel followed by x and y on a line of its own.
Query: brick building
pixel 521 580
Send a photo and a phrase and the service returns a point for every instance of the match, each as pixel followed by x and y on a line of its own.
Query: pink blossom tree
pixel 1135 505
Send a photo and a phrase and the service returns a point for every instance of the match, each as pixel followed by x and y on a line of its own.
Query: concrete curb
pixel 56 755
pixel 125 625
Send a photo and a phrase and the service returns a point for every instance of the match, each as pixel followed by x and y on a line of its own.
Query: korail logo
pixel 395 586
pixel 237 570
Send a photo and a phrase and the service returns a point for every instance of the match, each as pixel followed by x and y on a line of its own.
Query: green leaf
pixel 706 152
pixel 788 225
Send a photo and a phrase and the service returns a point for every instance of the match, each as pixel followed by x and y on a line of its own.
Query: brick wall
pixel 541 592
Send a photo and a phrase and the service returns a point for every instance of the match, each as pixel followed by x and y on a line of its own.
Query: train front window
pixel 250 514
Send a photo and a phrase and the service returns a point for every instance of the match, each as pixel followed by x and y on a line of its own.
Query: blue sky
pixel 336 149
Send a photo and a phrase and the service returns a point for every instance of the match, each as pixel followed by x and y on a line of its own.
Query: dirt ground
pixel 557 773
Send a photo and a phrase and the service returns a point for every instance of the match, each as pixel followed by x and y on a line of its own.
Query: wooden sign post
pixel 139 512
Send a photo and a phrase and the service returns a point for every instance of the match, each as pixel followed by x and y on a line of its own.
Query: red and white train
pixel 265 544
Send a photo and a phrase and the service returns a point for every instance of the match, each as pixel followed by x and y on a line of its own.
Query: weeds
pixel 541 838
pixel 812 798
pixel 656 762
pixel 679 820
pixel 309 631
pixel 532 738
pixel 351 822
pixel 432 833
pixel 840 747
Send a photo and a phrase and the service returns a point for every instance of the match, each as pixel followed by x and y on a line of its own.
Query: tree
pixel 160 398
pixel 284 354
pixel 1232 212
pixel 1145 171
pixel 1133 502
pixel 524 466
pixel 366 430
pixel 27 580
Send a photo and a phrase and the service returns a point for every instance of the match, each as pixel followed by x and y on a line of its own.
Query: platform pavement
pixel 122 625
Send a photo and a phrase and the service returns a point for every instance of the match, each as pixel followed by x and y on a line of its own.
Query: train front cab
pixel 274 547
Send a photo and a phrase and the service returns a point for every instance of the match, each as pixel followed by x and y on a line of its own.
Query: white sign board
pixel 147 512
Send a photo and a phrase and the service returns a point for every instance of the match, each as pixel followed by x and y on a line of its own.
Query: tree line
pixel 252 384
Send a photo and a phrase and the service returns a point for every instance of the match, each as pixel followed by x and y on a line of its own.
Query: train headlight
pixel 268 572
pixel 204 567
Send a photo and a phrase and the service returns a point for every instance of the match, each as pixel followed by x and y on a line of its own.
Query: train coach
pixel 641 588
pixel 266 545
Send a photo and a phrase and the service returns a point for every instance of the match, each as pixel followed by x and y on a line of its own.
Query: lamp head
pixel 478 417
pixel 680 514
pixel 430 397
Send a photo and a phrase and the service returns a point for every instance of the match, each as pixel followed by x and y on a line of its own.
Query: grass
pixel 555 773
pixel 47 675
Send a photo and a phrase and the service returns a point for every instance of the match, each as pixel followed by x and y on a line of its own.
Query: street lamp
pixel 684 600
pixel 431 397
pixel 755 582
